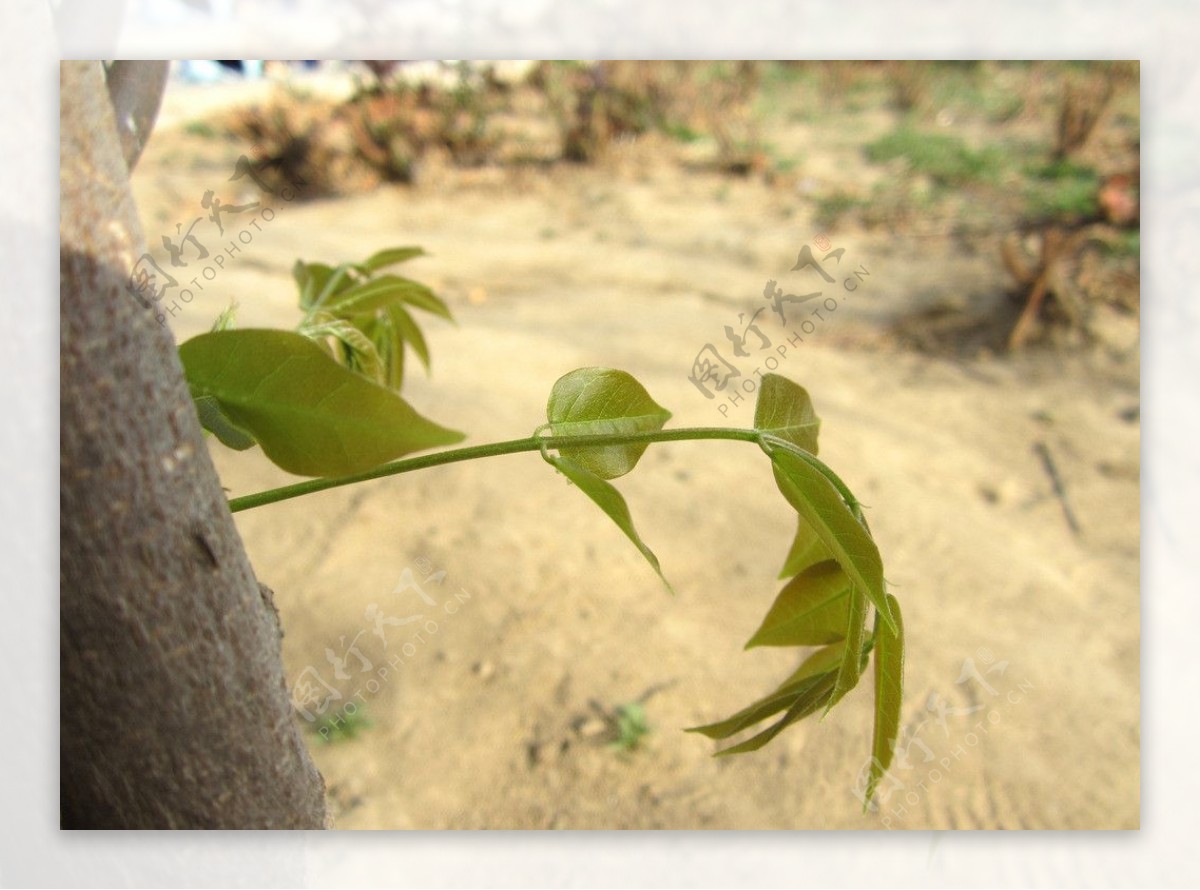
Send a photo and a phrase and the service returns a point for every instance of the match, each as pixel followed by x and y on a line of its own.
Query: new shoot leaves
pixel 360 318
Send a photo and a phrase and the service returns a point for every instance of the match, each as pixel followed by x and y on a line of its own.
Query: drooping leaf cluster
pixel 833 570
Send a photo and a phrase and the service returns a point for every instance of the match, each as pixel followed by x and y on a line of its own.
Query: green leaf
pixel 390 257
pixel 822 663
pixel 311 278
pixel 785 410
pixel 812 609
pixel 211 418
pixel 311 416
pixel 889 687
pixel 779 700
pixel 369 296
pixel 422 297
pixel 807 702
pixel 394 344
pixel 408 331
pixel 386 290
pixel 338 281
pixel 609 500
pixel 603 401
pixel 821 506
pixel 851 666
pixel 807 550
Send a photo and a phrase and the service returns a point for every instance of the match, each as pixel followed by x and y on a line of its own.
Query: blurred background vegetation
pixel 1038 161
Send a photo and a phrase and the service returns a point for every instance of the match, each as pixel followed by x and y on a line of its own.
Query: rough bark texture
pixel 174 711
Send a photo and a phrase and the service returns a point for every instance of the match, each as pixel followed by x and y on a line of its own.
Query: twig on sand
pixel 1060 490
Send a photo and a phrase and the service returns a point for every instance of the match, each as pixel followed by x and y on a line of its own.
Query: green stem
pixel 493 449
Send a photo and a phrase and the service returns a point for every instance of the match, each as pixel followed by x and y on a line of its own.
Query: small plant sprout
pixel 341 726
pixel 629 725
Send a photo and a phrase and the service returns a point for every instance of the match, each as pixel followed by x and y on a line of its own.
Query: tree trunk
pixel 174 707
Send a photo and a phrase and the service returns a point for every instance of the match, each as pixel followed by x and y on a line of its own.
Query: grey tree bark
pixel 174 707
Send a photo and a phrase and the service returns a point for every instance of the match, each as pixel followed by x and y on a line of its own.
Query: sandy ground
pixel 1022 681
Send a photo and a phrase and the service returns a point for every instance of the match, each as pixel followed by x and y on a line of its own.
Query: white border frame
pixel 1166 37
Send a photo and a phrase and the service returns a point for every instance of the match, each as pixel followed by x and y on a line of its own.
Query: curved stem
pixel 492 449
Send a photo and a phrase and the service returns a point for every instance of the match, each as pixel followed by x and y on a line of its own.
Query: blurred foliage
pixel 1063 190
pixel 967 149
pixel 945 159
pixel 341 727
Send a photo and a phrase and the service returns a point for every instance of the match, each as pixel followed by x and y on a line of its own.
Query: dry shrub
pixel 1084 102
pixel 910 83
pixel 300 142
pixel 389 128
pixel 397 125
pixel 597 104
pixel 1063 275
pixel 381 134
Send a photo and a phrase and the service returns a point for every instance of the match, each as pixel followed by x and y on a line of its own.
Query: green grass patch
pixel 947 160
pixel 1062 188
pixel 832 207
pixel 341 727
pixel 681 132
pixel 203 129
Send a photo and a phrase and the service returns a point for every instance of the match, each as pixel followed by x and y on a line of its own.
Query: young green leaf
pixel 851 666
pixel 391 343
pixel 807 550
pixel 889 687
pixel 311 278
pixel 407 328
pixel 784 410
pixel 779 700
pixel 311 416
pixel 806 703
pixel 603 401
pixel 385 290
pixel 821 506
pixel 423 298
pixel 823 662
pixel 608 499
pixel 812 609
pixel 361 354
pixel 338 282
pixel 390 257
